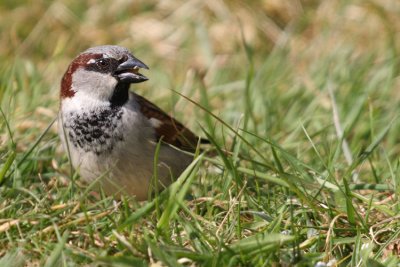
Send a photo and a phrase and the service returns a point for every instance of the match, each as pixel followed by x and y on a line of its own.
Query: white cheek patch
pixel 155 123
pixel 98 85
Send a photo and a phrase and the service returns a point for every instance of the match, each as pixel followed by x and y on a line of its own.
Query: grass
pixel 304 95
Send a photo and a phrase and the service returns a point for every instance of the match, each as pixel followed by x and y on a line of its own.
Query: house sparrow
pixel 111 132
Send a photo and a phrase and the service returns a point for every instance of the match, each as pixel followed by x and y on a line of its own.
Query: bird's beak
pixel 128 71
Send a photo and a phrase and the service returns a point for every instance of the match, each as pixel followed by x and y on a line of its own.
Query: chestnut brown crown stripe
pixel 66 81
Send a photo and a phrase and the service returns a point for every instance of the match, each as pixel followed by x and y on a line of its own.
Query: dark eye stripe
pixel 103 65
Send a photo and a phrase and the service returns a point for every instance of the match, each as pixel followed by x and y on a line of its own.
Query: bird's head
pixel 102 72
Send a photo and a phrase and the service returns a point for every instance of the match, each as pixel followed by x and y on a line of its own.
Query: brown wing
pixel 170 130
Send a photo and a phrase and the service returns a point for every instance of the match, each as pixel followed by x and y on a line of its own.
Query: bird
pixel 114 137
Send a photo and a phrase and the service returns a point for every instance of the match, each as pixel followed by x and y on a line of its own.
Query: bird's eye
pixel 102 63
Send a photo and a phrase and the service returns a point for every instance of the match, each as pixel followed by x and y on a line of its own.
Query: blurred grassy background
pixel 277 69
pixel 180 39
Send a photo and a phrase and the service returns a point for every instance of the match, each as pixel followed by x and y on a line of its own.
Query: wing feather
pixel 167 128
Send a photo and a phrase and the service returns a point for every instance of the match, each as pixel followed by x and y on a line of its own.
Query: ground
pixel 300 100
